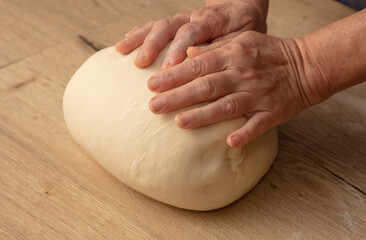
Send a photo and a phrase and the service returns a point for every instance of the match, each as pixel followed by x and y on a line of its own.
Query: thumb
pixel 258 124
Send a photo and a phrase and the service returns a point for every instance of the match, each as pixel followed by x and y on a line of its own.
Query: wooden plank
pixel 50 189
pixel 333 135
pixel 295 18
pixel 109 34
pixel 28 27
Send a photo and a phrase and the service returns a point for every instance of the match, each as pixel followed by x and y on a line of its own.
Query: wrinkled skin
pixel 250 75
pixel 242 72
pixel 218 21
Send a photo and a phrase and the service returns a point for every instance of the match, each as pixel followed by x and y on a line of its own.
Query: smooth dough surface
pixel 106 110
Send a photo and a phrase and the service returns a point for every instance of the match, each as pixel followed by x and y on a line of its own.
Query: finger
pixel 159 36
pixel 206 88
pixel 188 35
pixel 205 24
pixel 195 51
pixel 258 124
pixel 130 43
pixel 229 107
pixel 133 30
pixel 214 61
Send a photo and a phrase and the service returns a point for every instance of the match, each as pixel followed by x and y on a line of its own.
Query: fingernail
pixel 189 52
pixel 185 119
pixel 166 64
pixel 156 104
pixel 153 83
pixel 141 56
pixel 234 140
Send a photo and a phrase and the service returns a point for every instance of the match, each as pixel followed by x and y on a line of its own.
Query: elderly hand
pixel 252 75
pixel 220 20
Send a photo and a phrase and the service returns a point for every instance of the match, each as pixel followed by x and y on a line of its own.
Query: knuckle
pixel 153 39
pixel 203 115
pixel 260 124
pixel 195 66
pixel 247 50
pixel 189 28
pixel 149 24
pixel 253 74
pixel 162 23
pixel 177 98
pixel 207 88
pixel 197 14
pixel 251 35
pixel 235 53
pixel 182 14
pixel 205 13
pixel 229 107
pixel 212 20
pixel 168 78
pixel 250 38
pixel 236 47
pixel 210 14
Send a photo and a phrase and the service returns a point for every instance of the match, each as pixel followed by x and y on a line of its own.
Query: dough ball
pixel 106 110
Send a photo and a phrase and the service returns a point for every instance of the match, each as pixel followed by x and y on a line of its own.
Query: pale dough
pixel 106 111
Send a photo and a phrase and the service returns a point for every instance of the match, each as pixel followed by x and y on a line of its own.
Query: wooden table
pixel 50 189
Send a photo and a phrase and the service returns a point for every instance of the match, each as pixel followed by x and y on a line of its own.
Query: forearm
pixel 333 58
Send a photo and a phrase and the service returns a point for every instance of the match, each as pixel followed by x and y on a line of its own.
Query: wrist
pixel 314 78
pixel 333 58
pixel 297 78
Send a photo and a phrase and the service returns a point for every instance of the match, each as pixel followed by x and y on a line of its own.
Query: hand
pixel 259 17
pixel 220 20
pixel 252 75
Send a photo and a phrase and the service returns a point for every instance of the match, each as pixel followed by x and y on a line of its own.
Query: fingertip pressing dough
pixel 106 110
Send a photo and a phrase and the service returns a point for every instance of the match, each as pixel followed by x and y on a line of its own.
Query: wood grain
pixel 50 189
pixel 28 27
